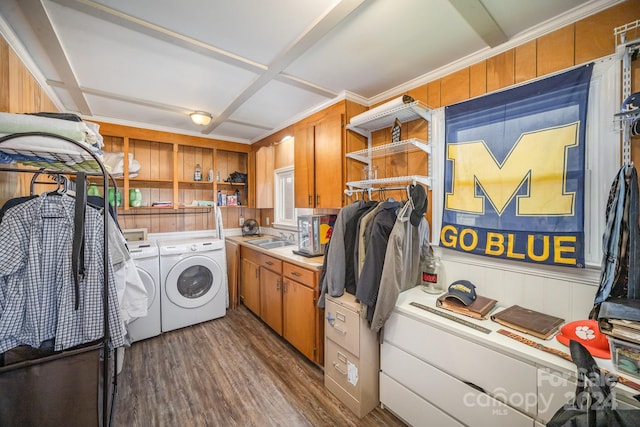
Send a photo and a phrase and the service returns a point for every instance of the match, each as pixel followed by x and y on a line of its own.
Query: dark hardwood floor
pixel 231 371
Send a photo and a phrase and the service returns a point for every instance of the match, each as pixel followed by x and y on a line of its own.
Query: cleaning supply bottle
pixel 197 174
pixel 219 198
pixel 238 197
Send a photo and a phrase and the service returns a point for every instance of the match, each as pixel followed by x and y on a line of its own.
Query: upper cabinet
pixel 320 170
pixel 265 161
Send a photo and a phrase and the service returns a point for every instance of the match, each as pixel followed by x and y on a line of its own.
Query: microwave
pixel 314 232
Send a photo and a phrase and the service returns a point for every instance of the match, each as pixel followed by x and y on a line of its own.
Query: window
pixel 284 209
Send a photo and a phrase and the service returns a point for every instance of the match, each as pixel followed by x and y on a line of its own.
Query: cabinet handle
pixel 257 272
pixel 295 273
pixel 337 368
pixel 309 200
pixel 278 285
pixel 317 200
pixel 268 262
pixel 342 331
pixel 284 286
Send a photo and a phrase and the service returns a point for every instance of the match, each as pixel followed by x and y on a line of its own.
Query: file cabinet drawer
pixel 342 326
pixel 343 368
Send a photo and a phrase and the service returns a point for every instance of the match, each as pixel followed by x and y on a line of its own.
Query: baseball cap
pixel 462 290
pixel 631 103
pixel 587 333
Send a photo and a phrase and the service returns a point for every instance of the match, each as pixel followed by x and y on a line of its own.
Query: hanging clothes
pixel 339 256
pixel 401 270
pixel 369 280
pixel 36 278
pixel 619 271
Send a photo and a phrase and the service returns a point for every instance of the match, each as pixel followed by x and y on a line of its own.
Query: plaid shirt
pixel 36 279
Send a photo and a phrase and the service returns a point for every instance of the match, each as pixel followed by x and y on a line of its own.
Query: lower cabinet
pixel 250 283
pixel 284 296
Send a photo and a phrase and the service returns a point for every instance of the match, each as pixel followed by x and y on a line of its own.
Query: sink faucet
pixel 288 237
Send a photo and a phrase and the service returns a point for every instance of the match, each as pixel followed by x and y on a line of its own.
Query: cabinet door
pixel 328 162
pixel 271 299
pixel 299 317
pixel 303 173
pixel 250 285
pixel 233 258
pixel 265 161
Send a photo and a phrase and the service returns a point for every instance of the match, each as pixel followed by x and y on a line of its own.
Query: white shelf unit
pixel 404 113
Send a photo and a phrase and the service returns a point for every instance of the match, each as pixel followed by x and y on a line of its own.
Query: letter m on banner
pixel 514 172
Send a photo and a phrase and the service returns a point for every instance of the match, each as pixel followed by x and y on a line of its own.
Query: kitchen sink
pixel 271 242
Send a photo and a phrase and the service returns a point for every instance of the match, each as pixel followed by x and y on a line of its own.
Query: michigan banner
pixel 514 172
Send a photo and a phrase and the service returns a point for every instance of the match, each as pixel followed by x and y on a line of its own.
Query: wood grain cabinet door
pixel 271 299
pixel 250 285
pixel 328 162
pixel 299 317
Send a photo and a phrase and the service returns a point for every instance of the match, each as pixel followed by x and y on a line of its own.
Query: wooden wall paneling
pixel 556 51
pixel 434 91
pixel 353 142
pixel 4 75
pixel 420 93
pixel 455 87
pixel 500 71
pixel 526 62
pixel 594 34
pixel 478 79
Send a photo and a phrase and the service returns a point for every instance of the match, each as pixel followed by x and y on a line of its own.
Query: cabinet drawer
pixel 271 263
pixel 497 373
pixel 459 400
pixel 299 274
pixel 412 408
pixel 343 368
pixel 342 326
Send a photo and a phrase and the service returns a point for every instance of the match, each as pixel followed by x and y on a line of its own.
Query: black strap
pixel 77 253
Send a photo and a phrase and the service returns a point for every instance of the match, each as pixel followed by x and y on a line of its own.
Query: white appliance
pixel 146 257
pixel 194 281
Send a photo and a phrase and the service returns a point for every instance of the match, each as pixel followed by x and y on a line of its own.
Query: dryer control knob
pixel 194 248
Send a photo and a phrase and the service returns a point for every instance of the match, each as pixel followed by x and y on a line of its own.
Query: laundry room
pixel 319 213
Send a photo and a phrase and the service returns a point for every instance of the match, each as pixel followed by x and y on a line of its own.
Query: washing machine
pixel 194 281
pixel 145 255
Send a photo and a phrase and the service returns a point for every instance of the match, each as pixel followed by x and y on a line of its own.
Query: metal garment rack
pixel 628 47
pixel 98 170
pixel 405 112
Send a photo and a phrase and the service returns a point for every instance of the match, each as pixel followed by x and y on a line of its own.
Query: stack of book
pixel 531 322
pixel 620 318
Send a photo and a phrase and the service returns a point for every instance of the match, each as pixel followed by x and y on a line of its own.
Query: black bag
pixel 593 405
pixel 237 177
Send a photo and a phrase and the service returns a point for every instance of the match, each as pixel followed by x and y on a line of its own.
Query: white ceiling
pixel 257 65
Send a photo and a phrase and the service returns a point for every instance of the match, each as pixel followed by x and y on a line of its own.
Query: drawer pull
pixel 295 273
pixel 341 317
pixel 337 368
pixel 342 331
pixel 268 262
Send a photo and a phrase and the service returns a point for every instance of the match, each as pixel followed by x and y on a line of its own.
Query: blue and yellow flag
pixel 514 172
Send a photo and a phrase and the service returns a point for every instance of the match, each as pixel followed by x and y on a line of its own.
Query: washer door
pixel 149 286
pixel 194 281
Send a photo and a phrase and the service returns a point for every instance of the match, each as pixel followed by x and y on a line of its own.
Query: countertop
pixel 284 253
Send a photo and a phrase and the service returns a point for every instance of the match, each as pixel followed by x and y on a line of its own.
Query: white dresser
pixel 435 371
pixel 352 361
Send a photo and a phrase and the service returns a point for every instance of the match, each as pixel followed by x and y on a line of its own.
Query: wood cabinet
pixel 232 251
pixel 318 158
pixel 299 312
pixel 286 300
pixel 271 292
pixel 250 280
pixel 265 161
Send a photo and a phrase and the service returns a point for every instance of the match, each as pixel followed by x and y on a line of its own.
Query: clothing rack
pixel 58 170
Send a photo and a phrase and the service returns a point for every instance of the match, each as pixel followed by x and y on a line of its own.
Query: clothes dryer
pixel 194 281
pixel 146 257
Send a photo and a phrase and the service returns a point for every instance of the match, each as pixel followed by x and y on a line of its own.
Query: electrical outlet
pixel 241 220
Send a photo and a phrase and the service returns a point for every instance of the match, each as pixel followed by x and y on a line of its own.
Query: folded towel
pixel 18 123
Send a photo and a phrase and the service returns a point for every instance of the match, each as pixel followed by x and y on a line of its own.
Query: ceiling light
pixel 200 118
